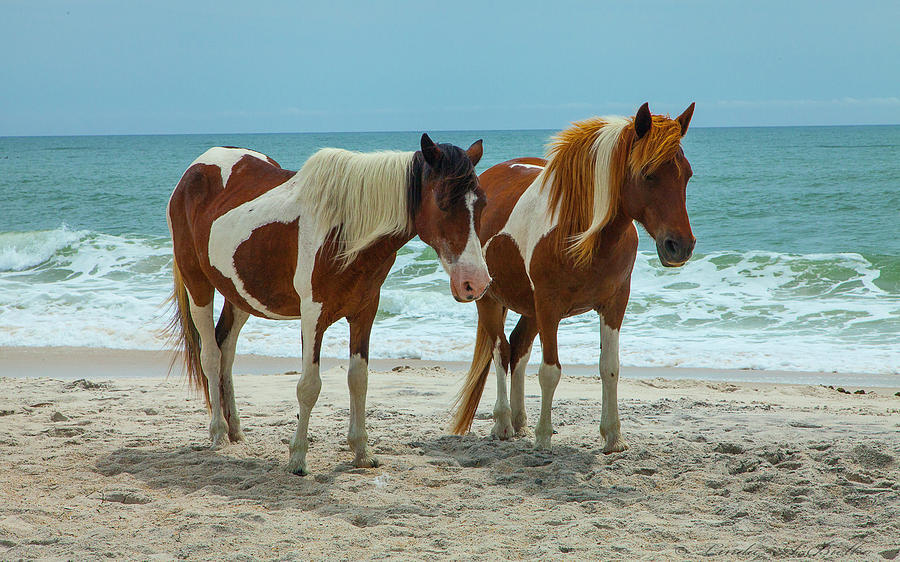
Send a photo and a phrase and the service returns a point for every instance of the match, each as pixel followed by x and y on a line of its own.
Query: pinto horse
pixel 316 245
pixel 559 240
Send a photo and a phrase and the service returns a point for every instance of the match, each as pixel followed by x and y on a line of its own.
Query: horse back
pixel 503 185
pixel 213 186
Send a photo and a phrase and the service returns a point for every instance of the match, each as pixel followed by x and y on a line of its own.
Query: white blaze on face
pixel 472 255
pixel 469 269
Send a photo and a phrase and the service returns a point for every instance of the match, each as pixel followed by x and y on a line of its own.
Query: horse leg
pixel 503 428
pixel 229 326
pixel 210 358
pixel 358 382
pixel 309 385
pixel 520 342
pixel 610 322
pixel 548 376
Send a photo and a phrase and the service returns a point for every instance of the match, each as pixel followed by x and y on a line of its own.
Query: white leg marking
pixel 609 374
pixel 228 349
pixel 307 388
pixel 548 376
pixel 210 358
pixel 502 414
pixel 517 394
pixel 357 438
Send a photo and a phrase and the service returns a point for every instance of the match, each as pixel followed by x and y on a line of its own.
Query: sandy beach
pixel 105 457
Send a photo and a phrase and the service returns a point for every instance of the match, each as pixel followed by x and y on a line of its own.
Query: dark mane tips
pixel 454 171
pixel 414 179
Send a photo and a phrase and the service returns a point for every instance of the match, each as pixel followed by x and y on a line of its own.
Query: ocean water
pixel 797 265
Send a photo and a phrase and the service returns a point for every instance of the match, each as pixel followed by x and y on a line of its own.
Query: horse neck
pixel 617 226
pixel 384 248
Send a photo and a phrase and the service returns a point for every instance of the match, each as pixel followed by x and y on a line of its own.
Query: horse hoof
pixel 297 465
pixel 520 426
pixel 367 461
pixel 616 446
pixel 236 437
pixel 502 432
pixel 542 444
pixel 298 470
pixel 218 442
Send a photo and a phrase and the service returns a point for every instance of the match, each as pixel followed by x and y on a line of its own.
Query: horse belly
pixel 265 264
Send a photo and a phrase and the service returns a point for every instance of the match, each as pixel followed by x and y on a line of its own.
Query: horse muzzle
pixel 675 251
pixel 468 283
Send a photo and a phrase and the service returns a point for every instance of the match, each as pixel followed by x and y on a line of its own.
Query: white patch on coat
pixel 533 166
pixel 529 221
pixel 226 158
pixel 236 226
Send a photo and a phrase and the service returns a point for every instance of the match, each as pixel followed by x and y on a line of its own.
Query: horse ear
pixel 475 151
pixel 430 151
pixel 685 118
pixel 643 121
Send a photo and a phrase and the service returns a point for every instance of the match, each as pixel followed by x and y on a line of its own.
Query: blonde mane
pixel 587 167
pixel 363 194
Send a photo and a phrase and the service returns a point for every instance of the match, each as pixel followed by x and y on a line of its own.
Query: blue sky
pixel 112 67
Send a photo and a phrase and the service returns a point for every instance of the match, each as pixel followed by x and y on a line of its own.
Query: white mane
pixel 362 193
pixel 604 146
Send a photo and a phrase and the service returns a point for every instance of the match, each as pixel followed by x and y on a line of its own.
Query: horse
pixel 315 245
pixel 559 240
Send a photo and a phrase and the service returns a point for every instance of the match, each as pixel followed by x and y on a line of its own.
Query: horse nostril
pixel 468 287
pixel 671 246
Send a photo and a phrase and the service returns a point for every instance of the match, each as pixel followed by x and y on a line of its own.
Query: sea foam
pixel 760 310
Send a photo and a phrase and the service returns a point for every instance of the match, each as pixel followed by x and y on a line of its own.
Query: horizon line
pixel 419 131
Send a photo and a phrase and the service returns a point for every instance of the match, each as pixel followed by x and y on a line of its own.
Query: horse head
pixel 655 186
pixel 448 212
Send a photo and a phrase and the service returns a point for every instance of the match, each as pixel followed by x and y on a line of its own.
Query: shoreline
pixel 105 363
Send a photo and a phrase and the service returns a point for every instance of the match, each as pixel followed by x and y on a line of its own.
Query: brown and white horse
pixel 316 245
pixel 560 240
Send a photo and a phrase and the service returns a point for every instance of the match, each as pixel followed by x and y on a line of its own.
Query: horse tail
pixel 466 402
pixel 183 336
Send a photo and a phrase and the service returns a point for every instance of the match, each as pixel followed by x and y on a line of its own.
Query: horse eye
pixel 649 177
